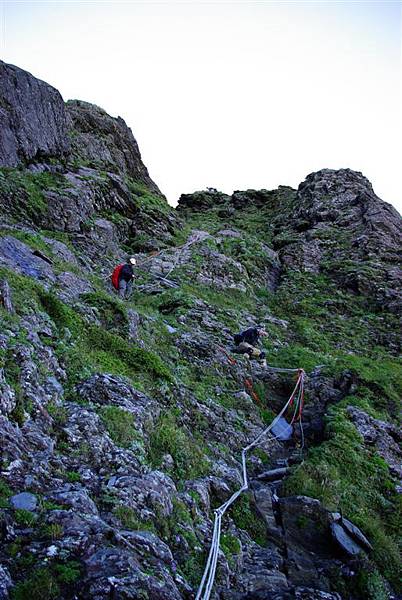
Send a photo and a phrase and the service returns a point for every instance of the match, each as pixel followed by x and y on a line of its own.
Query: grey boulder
pixel 344 540
pixel 24 501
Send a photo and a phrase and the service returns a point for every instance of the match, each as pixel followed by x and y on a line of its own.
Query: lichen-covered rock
pixel 385 437
pixel 5 583
pixel 108 390
pixel 342 228
pixel 221 271
pixel 151 493
pixel 103 141
pixel 32 117
pixel 7 396
pixel 262 572
pixel 303 593
pixel 77 500
pixel 202 200
pixel 85 431
pixel 72 286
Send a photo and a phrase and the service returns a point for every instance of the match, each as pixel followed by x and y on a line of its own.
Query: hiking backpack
pixel 116 275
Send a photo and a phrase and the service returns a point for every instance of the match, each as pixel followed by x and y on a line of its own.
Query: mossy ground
pixel 169 437
pixel 120 425
pixel 29 188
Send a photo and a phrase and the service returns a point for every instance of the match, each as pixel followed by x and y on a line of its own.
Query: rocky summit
pixel 122 421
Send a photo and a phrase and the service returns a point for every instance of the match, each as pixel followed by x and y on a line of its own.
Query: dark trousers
pixel 125 288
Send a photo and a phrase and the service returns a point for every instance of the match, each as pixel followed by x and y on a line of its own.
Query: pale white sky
pixel 232 95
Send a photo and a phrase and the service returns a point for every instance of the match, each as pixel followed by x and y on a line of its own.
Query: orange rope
pixel 249 385
pixel 231 360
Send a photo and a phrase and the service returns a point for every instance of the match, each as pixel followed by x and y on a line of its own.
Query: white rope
pixel 190 242
pixel 280 370
pixel 208 578
pixel 296 405
pixel 302 437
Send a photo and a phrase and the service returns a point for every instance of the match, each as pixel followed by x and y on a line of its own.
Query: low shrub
pixel 68 573
pixel 52 531
pixel 73 476
pixel 40 585
pixel 25 518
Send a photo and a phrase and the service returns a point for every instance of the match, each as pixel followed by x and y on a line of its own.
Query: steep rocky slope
pixel 121 424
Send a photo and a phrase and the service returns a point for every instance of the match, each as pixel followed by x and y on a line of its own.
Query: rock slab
pixel 33 120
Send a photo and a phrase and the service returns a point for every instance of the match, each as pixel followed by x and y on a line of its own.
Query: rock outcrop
pixel 342 228
pixel 33 120
pixel 105 143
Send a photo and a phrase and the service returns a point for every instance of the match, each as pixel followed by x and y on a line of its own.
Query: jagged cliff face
pixel 121 424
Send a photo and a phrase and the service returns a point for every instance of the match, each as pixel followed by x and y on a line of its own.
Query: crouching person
pixel 246 343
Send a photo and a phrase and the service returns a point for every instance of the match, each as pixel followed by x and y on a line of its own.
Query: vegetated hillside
pixel 122 423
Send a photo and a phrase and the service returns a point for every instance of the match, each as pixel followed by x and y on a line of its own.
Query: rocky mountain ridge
pixel 121 423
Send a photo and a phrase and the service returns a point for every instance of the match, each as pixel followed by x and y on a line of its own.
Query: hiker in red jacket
pixel 122 278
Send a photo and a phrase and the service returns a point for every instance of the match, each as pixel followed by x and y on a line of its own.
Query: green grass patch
pixel 25 518
pixel 129 520
pixel 174 301
pixel 5 493
pixel 89 348
pixel 145 200
pixel 178 529
pixel 34 240
pixel 295 356
pixel 32 202
pixel 62 315
pixel 230 299
pixel 382 375
pixel 111 311
pixel 52 531
pixel 40 585
pixel 101 343
pixel 24 291
pixel 231 548
pixel 58 413
pixel 12 371
pixel 73 477
pixel 120 425
pixel 245 517
pixel 170 438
